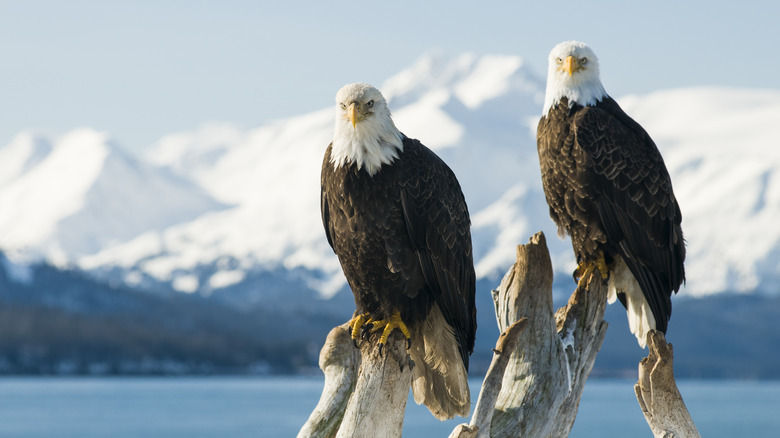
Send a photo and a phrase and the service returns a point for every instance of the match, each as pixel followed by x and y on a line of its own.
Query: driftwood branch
pixel 365 393
pixel 657 392
pixel 546 374
pixel 534 383
pixel 339 360
pixel 491 386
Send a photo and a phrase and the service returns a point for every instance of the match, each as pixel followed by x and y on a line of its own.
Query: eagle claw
pixel 387 326
pixel 363 325
pixel 365 331
pixel 357 325
pixel 585 269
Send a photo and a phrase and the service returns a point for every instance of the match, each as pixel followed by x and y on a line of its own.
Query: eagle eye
pixel 370 103
pixel 584 60
pixel 343 106
pixel 559 60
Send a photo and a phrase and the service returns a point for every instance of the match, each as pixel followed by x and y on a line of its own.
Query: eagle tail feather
pixel 623 284
pixel 439 379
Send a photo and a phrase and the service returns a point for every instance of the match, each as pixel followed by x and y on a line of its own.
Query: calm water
pixel 277 407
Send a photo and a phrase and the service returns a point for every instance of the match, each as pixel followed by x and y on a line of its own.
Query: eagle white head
pixel 573 72
pixel 365 133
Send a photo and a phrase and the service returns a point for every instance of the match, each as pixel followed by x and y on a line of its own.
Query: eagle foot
pixel 357 326
pixel 387 326
pixel 584 270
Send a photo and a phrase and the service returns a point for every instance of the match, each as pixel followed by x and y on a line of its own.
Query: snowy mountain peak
pixel 195 151
pixel 23 153
pixel 472 79
pixel 83 193
pixel 233 203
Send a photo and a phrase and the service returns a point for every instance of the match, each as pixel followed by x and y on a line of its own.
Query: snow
pixel 23 153
pixel 720 146
pixel 52 190
pixel 224 279
pixel 251 195
pixel 497 230
pixel 186 283
pixel 489 79
pixel 85 194
pixel 426 119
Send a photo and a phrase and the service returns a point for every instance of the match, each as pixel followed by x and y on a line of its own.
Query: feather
pixel 401 231
pixel 600 157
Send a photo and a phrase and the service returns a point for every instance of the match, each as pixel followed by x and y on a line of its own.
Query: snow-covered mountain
pixel 204 210
pixel 70 198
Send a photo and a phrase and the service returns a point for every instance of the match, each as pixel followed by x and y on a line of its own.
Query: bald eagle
pixel 395 216
pixel 608 188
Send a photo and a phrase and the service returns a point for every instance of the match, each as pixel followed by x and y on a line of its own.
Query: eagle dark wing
pixel 635 202
pixel 324 212
pixel 438 223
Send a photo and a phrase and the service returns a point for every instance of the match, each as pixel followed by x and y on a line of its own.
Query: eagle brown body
pixel 402 236
pixel 608 188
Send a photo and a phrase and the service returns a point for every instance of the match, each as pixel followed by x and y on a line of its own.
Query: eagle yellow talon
pixel 584 270
pixel 601 264
pixel 356 323
pixel 388 325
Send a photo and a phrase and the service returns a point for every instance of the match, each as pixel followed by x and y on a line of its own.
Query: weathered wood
pixel 546 374
pixel 534 383
pixel 581 329
pixel 364 394
pixel 339 360
pixel 491 386
pixel 657 393
pixel 377 405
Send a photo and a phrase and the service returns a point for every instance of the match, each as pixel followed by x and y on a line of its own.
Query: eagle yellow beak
pixel 352 113
pixel 570 65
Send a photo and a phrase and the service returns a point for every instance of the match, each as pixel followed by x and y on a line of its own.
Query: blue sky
pixel 143 69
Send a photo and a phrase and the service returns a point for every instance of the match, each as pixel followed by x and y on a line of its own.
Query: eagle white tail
pixel 640 317
pixel 439 379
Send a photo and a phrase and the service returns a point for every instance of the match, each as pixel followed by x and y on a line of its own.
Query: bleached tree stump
pixel 491 386
pixel 377 405
pixel 534 383
pixel 339 361
pixel 657 392
pixel 546 374
pixel 365 393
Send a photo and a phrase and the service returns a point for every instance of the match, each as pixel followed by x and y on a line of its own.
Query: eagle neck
pixel 369 145
pixel 582 93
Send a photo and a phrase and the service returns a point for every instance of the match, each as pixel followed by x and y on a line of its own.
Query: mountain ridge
pixel 244 201
pixel 96 245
